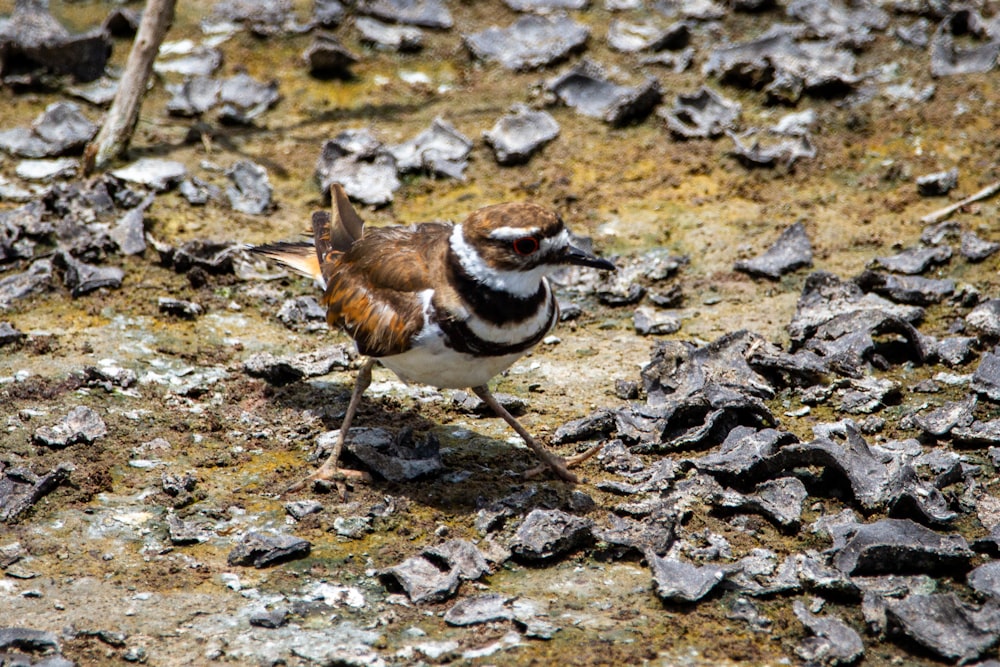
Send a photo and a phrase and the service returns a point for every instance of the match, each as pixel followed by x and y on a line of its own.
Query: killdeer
pixel 449 306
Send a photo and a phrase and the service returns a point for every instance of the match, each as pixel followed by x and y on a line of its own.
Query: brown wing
pixel 373 291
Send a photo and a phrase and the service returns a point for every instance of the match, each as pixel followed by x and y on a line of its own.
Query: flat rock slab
pixel 790 252
pixel 60 129
pixel 263 549
pixel 251 190
pixel 391 37
pixel 679 581
pixel 531 42
pixel 914 290
pixel 586 88
pixel 946 626
pixel 519 135
pixel 545 534
pixel 913 261
pixel 396 457
pixel 441 149
pixel 422 580
pixel 155 173
pixel 20 488
pixel 704 114
pixel 424 13
pixel 833 642
pixel 82 424
pixel 901 546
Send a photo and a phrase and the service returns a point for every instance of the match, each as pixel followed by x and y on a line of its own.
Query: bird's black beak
pixel 574 255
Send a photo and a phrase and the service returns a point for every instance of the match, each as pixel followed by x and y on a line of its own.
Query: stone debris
pixel 390 37
pixel 944 625
pixel 704 114
pixel 901 546
pixel 531 42
pixel 913 290
pixel 630 37
pixel 440 150
pixel 285 370
pixel 913 261
pixel 82 278
pixel 937 184
pixel 586 88
pixel 20 489
pixel 193 61
pixel 266 549
pixel 520 134
pixel 251 190
pixel 545 534
pixel 832 642
pixel 424 13
pixel 155 173
pixel 790 252
pixel 61 129
pixel 34 43
pixel 359 162
pixel 188 310
pixel 327 57
pixel 396 457
pixel 680 581
pixel 766 151
pixel 82 424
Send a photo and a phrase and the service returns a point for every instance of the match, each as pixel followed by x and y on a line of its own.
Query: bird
pixel 440 304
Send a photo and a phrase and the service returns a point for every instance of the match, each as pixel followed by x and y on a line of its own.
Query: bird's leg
pixel 330 471
pixel 554 462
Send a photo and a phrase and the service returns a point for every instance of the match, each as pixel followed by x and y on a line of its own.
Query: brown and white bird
pixel 449 306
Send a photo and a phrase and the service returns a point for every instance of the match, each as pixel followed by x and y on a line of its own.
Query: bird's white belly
pixel 435 364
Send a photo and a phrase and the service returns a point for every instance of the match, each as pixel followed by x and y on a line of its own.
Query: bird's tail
pixel 333 235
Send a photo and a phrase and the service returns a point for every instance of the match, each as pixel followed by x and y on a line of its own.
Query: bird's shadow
pixel 479 471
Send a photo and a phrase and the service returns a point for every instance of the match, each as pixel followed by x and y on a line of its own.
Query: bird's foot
pixel 561 466
pixel 333 475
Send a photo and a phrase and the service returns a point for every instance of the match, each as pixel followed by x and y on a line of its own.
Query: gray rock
pixel 20 285
pixel 81 424
pixel 440 150
pixel 20 489
pixel 766 151
pixel 946 626
pixel 8 334
pixel 985 579
pixel 251 190
pixel 531 42
pixel 977 434
pixel 986 377
pixel 791 251
pixel 392 37
pixel 367 176
pixel 194 96
pixel 182 533
pixel 543 6
pixel 937 184
pixel 64 127
pixel 519 135
pixel 486 608
pixel 461 556
pixel 27 640
pixel 201 61
pixel 941 421
pixel 198 192
pixel 914 290
pixel 328 13
pixel 327 57
pixel 302 310
pixel 901 546
pixel 188 310
pixel 916 260
pixel 600 423
pixel 976 249
pixel 269 619
pixel 284 370
pixel 299 509
pixel 422 580
pixel 948 59
pixel 473 405
pixel 642 537
pixel 155 173
pixel 985 318
pixel 586 88
pixel 778 499
pixel 47 170
pixel 678 581
pixel 704 114
pixel 397 458
pixel 652 322
pixel 424 13
pixel 265 549
pixel 129 232
pixel 35 44
pixel 833 641
pixel 545 534
pixel 631 37
pixel 353 527
pixel 244 98
pixel 744 449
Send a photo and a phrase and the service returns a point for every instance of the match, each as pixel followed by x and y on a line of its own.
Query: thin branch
pixel 115 134
pixel 943 213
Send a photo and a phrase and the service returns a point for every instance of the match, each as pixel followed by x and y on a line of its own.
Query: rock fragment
pixel 790 252
pixel 531 42
pixel 265 549
pixel 60 129
pixel 943 624
pixel 899 546
pixel 679 581
pixel 913 261
pixel 976 249
pixel 392 37
pixel 82 278
pixel 586 88
pixel 81 424
pixel 396 457
pixel 440 149
pixel 251 190
pixel 424 13
pixel 545 534
pixel 937 184
pixel 520 134
pixel 833 642
pixel 20 489
pixel 155 173
pixel 704 114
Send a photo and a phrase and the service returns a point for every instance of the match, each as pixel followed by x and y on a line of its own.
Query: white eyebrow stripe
pixel 513 233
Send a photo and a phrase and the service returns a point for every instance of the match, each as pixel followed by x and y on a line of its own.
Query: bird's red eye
pixel 525 245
